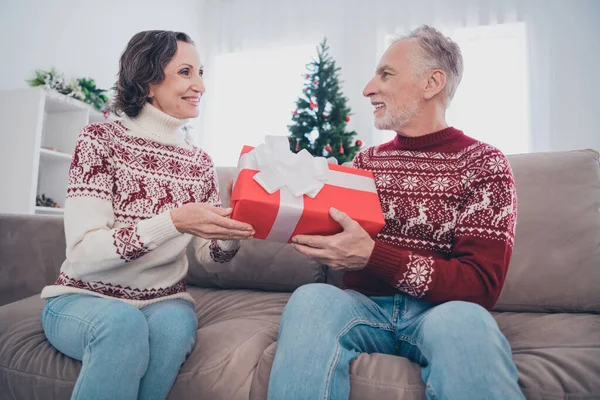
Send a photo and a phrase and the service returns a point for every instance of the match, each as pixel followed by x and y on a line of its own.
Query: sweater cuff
pixel 228 245
pixel 157 230
pixel 385 261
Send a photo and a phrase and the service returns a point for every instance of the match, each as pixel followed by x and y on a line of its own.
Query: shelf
pixel 56 102
pixel 54 155
pixel 97 116
pixel 49 210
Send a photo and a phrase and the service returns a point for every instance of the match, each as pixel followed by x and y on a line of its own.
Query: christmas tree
pixel 319 121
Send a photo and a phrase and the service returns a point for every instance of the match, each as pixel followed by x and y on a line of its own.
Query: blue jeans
pixel 461 351
pixel 126 352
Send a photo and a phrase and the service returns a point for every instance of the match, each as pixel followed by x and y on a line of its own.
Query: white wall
pixel 564 49
pixel 85 38
pixel 82 38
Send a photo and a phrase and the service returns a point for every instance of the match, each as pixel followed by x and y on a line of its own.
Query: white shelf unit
pixel 39 130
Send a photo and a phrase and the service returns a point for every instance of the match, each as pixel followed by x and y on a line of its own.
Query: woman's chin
pixel 186 114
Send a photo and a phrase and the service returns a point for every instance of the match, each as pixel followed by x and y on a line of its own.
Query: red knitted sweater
pixel 450 209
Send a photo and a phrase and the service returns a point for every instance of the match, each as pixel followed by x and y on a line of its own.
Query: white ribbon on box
pixel 294 175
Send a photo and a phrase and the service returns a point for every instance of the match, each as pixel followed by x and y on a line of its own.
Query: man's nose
pixel 369 89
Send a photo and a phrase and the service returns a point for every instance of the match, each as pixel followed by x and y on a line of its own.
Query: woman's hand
pixel 209 222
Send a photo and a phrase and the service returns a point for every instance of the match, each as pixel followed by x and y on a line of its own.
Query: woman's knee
pixel 174 323
pixel 124 324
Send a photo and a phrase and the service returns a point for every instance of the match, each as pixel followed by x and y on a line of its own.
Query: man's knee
pixel 318 304
pixel 459 322
pixel 314 296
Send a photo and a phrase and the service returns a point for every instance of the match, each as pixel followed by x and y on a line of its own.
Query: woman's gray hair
pixel 438 51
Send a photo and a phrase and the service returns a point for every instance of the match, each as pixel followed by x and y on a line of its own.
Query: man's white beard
pixel 399 120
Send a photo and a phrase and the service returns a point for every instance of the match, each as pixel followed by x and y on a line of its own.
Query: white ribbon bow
pixel 300 173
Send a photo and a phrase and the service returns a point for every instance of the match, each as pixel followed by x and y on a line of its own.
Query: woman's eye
pixel 185 72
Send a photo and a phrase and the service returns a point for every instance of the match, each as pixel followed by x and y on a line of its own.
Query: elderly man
pixel 420 290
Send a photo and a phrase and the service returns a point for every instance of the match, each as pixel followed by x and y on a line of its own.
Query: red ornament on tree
pixel 341 149
pixel 307 76
pixel 313 105
pixel 295 112
pixel 324 115
pixel 328 148
pixel 347 119
pixel 315 82
pixel 359 142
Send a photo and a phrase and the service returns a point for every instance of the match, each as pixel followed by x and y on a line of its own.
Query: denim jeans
pixel 461 351
pixel 126 352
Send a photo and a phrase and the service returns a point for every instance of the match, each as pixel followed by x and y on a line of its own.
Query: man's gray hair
pixel 438 51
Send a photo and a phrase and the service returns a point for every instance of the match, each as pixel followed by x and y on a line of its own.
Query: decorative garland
pixel 83 89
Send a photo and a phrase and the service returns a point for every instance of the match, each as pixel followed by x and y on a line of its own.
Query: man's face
pixel 394 91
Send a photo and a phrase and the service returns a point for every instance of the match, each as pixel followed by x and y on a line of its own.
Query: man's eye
pixel 201 72
pixel 385 74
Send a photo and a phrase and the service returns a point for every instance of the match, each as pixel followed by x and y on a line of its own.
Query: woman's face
pixel 179 93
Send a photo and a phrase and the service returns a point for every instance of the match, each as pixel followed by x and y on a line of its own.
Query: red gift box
pixel 276 218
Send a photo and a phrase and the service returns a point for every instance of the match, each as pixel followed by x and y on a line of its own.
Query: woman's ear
pixel 150 91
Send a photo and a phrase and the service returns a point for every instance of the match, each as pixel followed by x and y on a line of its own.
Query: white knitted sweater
pixel 124 179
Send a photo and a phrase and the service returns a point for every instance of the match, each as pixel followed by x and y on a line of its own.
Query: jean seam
pixel 81 378
pixel 409 340
pixel 92 338
pixel 61 315
pixel 344 331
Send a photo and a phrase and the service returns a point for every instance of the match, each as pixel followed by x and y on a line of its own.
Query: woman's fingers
pixel 229 223
pixel 217 232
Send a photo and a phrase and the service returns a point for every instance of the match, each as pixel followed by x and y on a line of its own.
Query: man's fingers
pixel 317 254
pixel 316 241
pixel 342 218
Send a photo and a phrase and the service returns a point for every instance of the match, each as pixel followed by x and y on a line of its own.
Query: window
pixel 492 100
pixel 253 95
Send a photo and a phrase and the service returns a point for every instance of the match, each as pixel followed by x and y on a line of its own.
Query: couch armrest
pixel 32 249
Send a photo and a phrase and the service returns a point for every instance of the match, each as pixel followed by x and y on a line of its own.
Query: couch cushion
pixel 556 259
pixel 557 354
pixel 32 249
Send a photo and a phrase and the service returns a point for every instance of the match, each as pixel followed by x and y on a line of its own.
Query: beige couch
pixel 548 309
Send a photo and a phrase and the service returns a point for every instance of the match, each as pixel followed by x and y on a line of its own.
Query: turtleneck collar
pixel 153 124
pixel 429 140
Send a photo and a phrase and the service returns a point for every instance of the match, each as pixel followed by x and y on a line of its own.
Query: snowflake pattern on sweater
pixel 449 204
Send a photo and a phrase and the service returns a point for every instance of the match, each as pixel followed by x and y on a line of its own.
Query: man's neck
pixel 428 120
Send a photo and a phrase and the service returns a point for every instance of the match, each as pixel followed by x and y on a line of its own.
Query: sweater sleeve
pixel 93 245
pixel 212 254
pixel 483 238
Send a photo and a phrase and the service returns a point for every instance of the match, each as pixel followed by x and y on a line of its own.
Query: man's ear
pixel 436 82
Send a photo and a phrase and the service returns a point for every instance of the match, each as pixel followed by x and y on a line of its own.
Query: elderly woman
pixel 138 193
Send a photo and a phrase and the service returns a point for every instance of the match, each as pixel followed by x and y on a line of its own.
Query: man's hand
pixel 348 250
